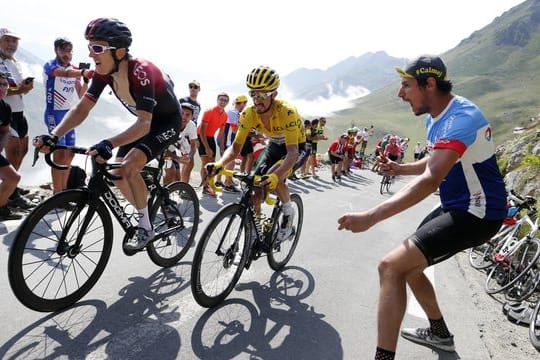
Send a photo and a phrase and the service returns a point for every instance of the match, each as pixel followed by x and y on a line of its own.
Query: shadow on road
pixel 134 327
pixel 278 325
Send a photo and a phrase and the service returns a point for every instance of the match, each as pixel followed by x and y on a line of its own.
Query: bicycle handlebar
pixel 104 168
pixel 242 177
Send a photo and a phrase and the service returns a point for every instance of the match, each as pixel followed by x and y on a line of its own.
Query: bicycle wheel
pixel 48 276
pixel 525 286
pixel 534 329
pixel 509 270
pixel 175 221
pixel 483 256
pixel 213 273
pixel 281 252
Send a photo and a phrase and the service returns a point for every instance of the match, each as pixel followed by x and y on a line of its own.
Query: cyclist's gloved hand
pixel 270 180
pixel 104 149
pixel 214 168
pixel 46 140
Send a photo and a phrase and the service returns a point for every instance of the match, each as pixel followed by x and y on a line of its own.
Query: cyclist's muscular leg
pixel 132 184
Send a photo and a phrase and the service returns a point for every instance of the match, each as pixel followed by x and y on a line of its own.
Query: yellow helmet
pixel 263 78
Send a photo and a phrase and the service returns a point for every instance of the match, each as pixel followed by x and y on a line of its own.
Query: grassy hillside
pixel 497 67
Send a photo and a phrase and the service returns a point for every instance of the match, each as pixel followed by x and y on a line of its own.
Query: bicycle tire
pixel 524 287
pixel 179 210
pixel 385 184
pixel 483 256
pixel 505 274
pixel 534 330
pixel 213 273
pixel 40 277
pixel 281 252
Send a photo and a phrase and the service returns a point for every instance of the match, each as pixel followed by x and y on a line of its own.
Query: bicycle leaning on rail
pixel 236 236
pixel 62 247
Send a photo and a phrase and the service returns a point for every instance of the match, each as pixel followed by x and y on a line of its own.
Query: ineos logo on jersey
pixel 141 75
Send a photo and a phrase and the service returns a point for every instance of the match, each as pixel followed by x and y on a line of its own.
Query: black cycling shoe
pixel 20 203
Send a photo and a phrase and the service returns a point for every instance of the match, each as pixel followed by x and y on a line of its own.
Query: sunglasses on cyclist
pixel 98 49
pixel 260 95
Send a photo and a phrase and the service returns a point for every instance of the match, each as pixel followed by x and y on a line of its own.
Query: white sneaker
pixel 140 240
pixel 286 230
pixel 237 258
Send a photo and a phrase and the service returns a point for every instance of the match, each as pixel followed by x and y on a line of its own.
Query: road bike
pixel 237 236
pixel 386 181
pixel 515 264
pixel 61 249
pixel 483 256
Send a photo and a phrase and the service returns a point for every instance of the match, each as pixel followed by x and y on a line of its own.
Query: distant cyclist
pixel 462 164
pixel 147 93
pixel 282 124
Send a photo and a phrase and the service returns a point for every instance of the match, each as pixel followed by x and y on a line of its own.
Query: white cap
pixel 7 32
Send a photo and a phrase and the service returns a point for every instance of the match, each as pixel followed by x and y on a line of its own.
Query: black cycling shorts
pixel 211 142
pixel 19 124
pixel 444 233
pixel 163 132
pixel 247 148
pixel 272 154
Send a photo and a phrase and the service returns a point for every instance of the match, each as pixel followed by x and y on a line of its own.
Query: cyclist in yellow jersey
pixel 282 124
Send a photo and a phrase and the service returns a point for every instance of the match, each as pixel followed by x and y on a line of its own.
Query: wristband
pixel 82 73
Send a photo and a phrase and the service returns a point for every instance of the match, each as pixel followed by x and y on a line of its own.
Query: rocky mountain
pixel 362 74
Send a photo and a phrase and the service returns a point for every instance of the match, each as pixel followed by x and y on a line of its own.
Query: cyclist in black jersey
pixel 146 92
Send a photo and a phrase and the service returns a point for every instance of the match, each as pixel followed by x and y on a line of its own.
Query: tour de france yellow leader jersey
pixel 285 124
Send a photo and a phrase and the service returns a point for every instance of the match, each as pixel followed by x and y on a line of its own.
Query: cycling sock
pixel 382 354
pixel 144 220
pixel 438 327
pixel 287 208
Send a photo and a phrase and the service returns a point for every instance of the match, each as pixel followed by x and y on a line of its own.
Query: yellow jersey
pixel 285 124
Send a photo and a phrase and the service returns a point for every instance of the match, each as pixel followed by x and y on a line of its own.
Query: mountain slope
pixel 497 67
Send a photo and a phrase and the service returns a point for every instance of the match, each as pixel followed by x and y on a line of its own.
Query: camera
pixel 84 66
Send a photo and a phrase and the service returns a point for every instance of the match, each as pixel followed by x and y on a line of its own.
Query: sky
pixel 219 42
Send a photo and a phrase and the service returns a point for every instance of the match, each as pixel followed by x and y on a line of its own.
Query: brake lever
pixel 36 156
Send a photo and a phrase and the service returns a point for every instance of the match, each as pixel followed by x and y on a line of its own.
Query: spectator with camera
pixel 17 144
pixel 62 82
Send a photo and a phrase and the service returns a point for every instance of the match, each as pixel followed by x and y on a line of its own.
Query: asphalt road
pixel 321 306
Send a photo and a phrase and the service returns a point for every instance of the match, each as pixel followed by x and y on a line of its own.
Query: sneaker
pixel 230 189
pixel 334 177
pixel 20 203
pixel 208 191
pixel 23 191
pixel 305 176
pixel 293 177
pixel 219 184
pixel 286 229
pixel 184 195
pixel 140 240
pixel 237 258
pixel 7 214
pixel 425 336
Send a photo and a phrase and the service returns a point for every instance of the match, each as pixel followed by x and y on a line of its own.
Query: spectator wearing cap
pixel 17 146
pixel 194 88
pixel 231 126
pixel 62 83
pixel 9 176
pixel 350 149
pixel 212 122
pixel 336 153
pixel 366 134
pixel 464 167
pixel 183 151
